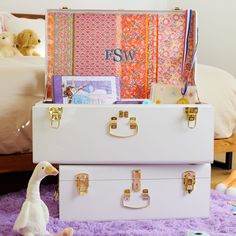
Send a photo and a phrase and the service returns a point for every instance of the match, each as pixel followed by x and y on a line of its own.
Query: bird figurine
pixel 34 215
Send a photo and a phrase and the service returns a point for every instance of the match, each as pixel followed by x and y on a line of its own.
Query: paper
pixel 170 94
pixel 86 89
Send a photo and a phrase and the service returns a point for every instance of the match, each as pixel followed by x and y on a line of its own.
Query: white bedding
pixel 218 87
pixel 21 85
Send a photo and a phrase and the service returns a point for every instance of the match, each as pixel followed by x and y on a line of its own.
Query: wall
pixel 217 31
pixel 40 6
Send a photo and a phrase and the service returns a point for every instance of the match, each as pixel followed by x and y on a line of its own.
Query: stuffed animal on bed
pixel 34 216
pixel 26 41
pixel 8 45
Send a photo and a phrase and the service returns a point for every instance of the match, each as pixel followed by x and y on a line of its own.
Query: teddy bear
pixel 8 45
pixel 26 41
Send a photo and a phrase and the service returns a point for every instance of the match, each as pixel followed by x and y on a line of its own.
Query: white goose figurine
pixel 34 216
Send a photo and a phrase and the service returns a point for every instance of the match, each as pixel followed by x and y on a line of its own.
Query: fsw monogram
pixel 119 55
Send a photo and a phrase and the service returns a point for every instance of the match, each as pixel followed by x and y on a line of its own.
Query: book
pixel 85 89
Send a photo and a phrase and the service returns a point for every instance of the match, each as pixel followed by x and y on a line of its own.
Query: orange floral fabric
pixel 134 73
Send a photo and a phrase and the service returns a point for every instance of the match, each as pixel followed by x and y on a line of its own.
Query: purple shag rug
pixel 220 223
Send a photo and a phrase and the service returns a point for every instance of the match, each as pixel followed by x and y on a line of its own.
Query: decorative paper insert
pixel 140 48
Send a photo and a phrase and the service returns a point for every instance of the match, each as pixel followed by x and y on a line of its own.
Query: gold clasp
pixel 189 181
pixel 55 116
pixel 136 177
pixel 82 183
pixel 191 116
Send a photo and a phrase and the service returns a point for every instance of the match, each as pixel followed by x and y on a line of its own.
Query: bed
pixel 22 85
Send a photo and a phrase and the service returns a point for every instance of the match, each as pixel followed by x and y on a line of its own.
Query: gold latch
pixel 191 116
pixel 55 116
pixel 136 177
pixel 189 181
pixel 82 183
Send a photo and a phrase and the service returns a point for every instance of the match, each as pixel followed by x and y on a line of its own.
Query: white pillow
pixel 15 25
pixel 218 87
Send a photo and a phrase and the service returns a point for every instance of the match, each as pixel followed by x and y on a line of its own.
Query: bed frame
pixel 18 162
pixel 29 16
pixel 227 146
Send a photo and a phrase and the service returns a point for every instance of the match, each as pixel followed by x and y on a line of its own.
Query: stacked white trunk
pixel 163 135
pixel 161 147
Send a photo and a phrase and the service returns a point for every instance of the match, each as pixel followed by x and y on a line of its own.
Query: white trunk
pixel 83 136
pixel 107 184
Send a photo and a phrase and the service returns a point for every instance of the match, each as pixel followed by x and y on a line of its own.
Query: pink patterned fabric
pixel 93 35
pixel 152 50
pixel 50 58
pixel 63 43
pixel 171 32
pixel 118 42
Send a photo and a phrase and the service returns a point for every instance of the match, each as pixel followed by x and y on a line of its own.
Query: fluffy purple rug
pixel 221 222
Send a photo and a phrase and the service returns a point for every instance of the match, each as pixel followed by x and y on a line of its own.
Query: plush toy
pixel 228 186
pixel 8 45
pixel 26 41
pixel 34 217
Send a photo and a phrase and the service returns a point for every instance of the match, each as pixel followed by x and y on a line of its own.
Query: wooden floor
pixel 219 174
